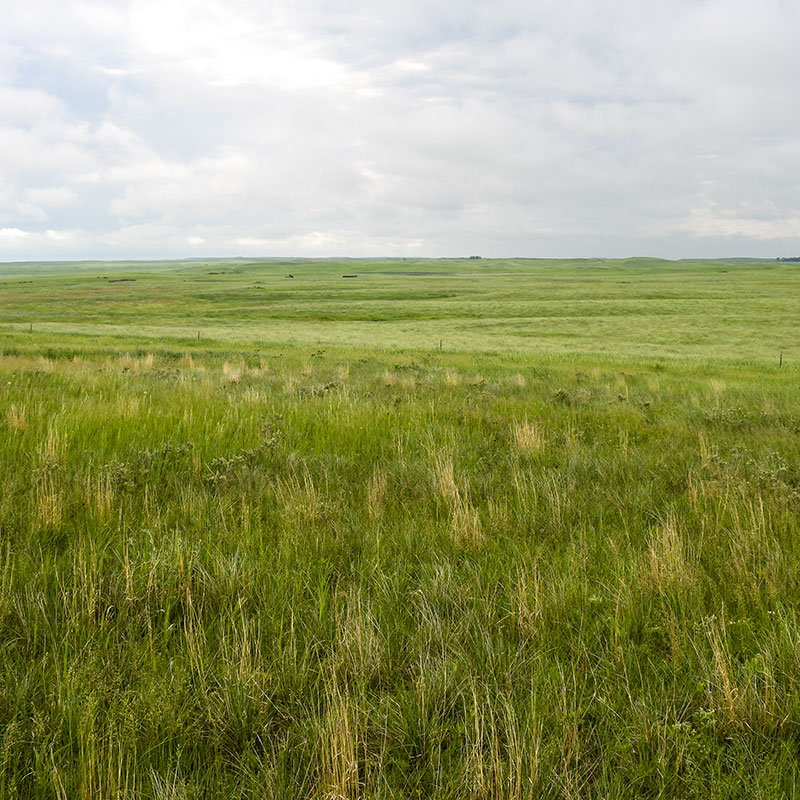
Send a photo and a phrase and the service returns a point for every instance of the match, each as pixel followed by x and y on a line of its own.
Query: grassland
pixel 642 308
pixel 267 537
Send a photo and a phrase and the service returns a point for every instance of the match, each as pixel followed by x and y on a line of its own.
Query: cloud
pixel 711 221
pixel 513 128
pixel 13 235
pixel 52 196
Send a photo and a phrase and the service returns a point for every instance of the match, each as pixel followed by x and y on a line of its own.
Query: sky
pixel 538 128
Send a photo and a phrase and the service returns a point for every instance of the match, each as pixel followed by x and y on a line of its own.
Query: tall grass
pixel 353 576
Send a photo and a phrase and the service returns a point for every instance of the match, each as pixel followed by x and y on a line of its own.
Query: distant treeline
pixel 794 258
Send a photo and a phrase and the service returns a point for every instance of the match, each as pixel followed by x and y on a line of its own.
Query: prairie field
pixel 446 529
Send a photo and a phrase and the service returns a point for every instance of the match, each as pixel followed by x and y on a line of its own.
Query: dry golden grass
pixel 231 373
pixel 253 396
pixel 444 478
pixel 503 750
pixel 376 492
pixel 299 499
pixel 131 363
pixel 407 382
pixel 744 697
pixel 466 526
pixel 339 741
pixel 667 567
pixel 465 522
pixel 99 495
pixel 127 406
pixel 16 417
pixel 528 437
pixel 48 503
pixel 53 449
pixel 572 439
pixel 451 378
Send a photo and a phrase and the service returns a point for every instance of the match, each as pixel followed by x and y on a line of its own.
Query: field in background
pixel 731 310
pixel 312 554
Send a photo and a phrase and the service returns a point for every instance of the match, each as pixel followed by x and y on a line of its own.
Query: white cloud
pixel 13 235
pixel 713 222
pixel 62 236
pixel 52 196
pixel 560 127
pixel 31 211
pixel 225 48
pixel 252 241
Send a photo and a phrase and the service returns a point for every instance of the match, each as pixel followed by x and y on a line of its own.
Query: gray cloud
pixel 175 128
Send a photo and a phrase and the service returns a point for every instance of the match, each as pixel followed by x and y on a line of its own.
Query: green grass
pixel 313 555
pixel 732 310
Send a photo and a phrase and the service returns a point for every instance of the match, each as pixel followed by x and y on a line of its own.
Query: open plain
pixel 447 528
